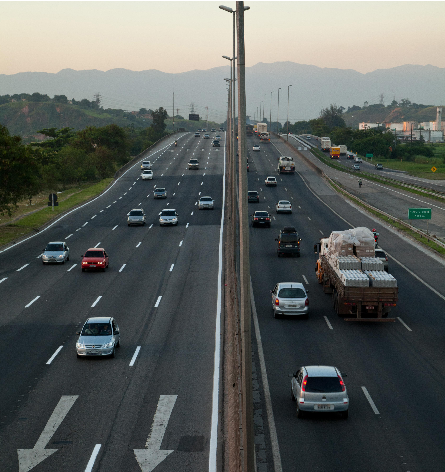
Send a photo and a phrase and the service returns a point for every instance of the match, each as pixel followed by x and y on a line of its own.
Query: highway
pixel 152 403
pixel 395 371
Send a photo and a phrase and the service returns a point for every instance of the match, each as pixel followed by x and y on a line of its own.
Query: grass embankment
pixel 18 226
pixel 395 223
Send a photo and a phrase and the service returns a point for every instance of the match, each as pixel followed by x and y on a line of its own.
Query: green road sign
pixel 369 155
pixel 419 213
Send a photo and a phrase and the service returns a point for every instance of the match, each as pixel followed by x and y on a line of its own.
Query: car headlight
pixel 60 257
pixel 80 346
pixel 108 345
pixel 44 256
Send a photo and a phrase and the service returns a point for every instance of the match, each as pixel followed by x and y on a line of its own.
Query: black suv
pixel 288 241
pixel 252 196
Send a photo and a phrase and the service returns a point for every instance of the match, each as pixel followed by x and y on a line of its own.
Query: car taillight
pixel 255 219
pixel 343 387
pixel 306 302
pixel 267 219
pixel 277 302
pixel 303 385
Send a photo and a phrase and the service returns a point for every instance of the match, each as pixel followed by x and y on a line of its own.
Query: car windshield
pixel 96 329
pixel 136 213
pixel 206 199
pixel 291 293
pixel 193 161
pixel 54 247
pixel 146 163
pixel 94 254
pixel 261 213
pixel 168 213
pixel 323 384
pixel 160 190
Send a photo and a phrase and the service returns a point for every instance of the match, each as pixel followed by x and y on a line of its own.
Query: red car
pixel 95 258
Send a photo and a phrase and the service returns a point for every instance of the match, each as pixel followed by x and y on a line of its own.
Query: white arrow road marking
pixel 150 457
pixel 29 458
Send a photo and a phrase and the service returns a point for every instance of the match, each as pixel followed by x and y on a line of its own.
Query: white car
pixel 290 298
pixel 319 389
pixel 270 181
pixel 146 165
pixel 356 167
pixel 283 206
pixel 147 175
pixel 205 203
pixel 168 216
pixel 256 147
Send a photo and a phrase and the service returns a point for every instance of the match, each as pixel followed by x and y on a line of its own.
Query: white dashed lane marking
pixel 158 301
pixel 96 301
pixel 327 322
pixel 69 236
pixel 171 267
pixel 26 265
pixel 32 301
pixel 72 267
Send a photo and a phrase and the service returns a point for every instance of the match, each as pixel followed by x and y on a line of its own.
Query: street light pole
pixel 270 112
pixel 278 110
pixel 288 111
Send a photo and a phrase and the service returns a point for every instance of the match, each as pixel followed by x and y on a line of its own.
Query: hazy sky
pixel 181 36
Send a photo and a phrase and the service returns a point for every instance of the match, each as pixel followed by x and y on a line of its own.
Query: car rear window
pixel 94 254
pixel 261 213
pixel 323 384
pixel 291 293
pixel 252 194
pixel 283 202
pixel 289 237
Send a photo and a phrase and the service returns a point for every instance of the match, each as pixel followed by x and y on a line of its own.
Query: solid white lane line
pixel 139 243
pixel 404 324
pixel 18 270
pixel 32 301
pixel 180 244
pixel 114 227
pixel 92 460
pixel 84 224
pixel 187 225
pixel 94 216
pixel 368 397
pixel 54 355
pixel 171 267
pixel 122 268
pixel 327 322
pixel 69 236
pixel 4 278
pixel 133 359
pixel 158 301
pixel 97 244
pixel 72 267
pixel 305 280
pixel 96 301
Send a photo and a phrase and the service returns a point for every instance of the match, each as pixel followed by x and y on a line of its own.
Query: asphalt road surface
pixel 395 371
pixel 152 403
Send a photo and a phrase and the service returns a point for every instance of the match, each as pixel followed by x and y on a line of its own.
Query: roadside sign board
pixel 433 169
pixel 369 155
pixel 419 213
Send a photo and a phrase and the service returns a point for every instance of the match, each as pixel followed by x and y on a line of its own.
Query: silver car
pixel 290 298
pixel 160 193
pixel 193 164
pixel 57 252
pixel 283 206
pixel 168 216
pixel 136 217
pixel 205 203
pixel 99 337
pixel 319 389
pixel 147 174
pixel 146 165
pixel 270 181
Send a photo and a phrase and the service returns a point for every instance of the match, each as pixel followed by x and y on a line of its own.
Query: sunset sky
pixel 182 36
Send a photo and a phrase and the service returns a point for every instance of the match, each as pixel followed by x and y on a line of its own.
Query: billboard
pixel 193 117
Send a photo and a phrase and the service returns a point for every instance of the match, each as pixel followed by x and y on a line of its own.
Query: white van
pixel 358 159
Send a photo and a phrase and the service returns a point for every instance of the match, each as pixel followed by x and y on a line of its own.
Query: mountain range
pixel 204 91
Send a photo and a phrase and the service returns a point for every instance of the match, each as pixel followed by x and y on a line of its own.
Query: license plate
pixel 288 245
pixel 324 407
pixel 93 352
pixel 292 306
pixel 92 265
pixel 370 308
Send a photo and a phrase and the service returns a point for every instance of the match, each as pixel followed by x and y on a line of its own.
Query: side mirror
pixel 317 248
pixel 77 332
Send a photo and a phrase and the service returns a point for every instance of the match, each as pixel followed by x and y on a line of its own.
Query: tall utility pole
pixel 288 112
pixel 173 112
pixel 246 348
pixel 278 111
pixel 270 113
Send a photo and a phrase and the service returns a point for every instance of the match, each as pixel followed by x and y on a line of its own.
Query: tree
pixel 60 99
pixel 159 117
pixel 332 117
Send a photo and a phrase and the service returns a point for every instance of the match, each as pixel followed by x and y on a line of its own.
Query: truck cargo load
pixel 343 149
pixel 286 165
pixel 348 269
pixel 334 152
pixel 325 143
pixel 261 128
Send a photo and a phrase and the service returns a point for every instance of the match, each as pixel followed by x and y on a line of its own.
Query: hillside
pixel 25 118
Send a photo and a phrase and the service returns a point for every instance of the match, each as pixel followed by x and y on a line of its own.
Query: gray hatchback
pixel 136 217
pixel 99 337
pixel 57 252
